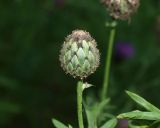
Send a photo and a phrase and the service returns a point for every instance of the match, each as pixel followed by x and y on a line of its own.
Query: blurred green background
pixel 34 88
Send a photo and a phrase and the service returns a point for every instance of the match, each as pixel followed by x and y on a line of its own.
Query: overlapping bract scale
pixel 79 55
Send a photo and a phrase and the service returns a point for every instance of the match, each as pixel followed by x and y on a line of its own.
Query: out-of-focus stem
pixel 108 60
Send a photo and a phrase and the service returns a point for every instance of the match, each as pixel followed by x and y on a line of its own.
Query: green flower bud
pixel 79 56
pixel 121 9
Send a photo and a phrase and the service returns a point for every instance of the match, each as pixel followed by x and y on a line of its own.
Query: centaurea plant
pixel 80 58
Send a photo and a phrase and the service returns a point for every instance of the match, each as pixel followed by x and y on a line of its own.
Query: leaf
pixel 93 113
pixel 86 85
pixel 69 126
pixel 140 115
pixel 58 124
pixel 103 104
pixel 139 126
pixel 91 117
pixel 148 106
pixel 142 126
pixel 110 124
pixel 101 113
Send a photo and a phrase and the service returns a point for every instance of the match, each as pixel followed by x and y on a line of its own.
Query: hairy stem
pixel 108 60
pixel 79 104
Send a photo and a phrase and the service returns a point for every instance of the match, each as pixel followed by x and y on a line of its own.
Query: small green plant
pixel 80 58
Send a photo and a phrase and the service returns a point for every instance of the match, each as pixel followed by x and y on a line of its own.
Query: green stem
pixel 79 104
pixel 108 60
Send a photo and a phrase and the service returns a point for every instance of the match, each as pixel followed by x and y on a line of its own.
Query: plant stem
pixel 79 103
pixel 108 60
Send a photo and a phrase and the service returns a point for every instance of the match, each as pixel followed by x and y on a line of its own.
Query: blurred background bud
pixel 121 9
pixel 122 123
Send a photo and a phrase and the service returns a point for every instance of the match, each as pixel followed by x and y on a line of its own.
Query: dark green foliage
pixel 33 87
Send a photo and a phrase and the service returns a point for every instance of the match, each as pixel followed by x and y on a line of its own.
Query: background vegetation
pixel 33 87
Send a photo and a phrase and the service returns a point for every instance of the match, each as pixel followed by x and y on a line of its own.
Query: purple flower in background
pixel 124 51
pixel 122 123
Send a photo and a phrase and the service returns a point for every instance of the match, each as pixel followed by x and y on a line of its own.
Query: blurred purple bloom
pixel 122 123
pixel 124 50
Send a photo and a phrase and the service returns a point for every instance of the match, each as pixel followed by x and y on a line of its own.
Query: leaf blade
pixel 142 102
pixel 110 124
pixel 140 115
pixel 70 126
pixel 58 124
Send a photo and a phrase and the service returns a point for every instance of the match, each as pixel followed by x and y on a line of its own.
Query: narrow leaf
pixel 110 124
pixel 135 126
pixel 140 115
pixel 102 105
pixel 58 124
pixel 148 106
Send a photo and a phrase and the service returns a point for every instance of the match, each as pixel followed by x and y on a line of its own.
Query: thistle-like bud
pixel 121 9
pixel 79 56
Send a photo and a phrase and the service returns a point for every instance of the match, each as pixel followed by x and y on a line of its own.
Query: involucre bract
pixel 79 56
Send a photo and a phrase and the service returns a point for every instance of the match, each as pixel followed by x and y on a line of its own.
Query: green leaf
pixel 136 126
pixel 101 113
pixel 110 124
pixel 58 124
pixel 91 117
pixel 86 85
pixel 93 113
pixel 103 104
pixel 148 106
pixel 140 115
pixel 145 126
pixel 70 126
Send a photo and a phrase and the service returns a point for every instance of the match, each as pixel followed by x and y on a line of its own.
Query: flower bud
pixel 121 9
pixel 79 56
